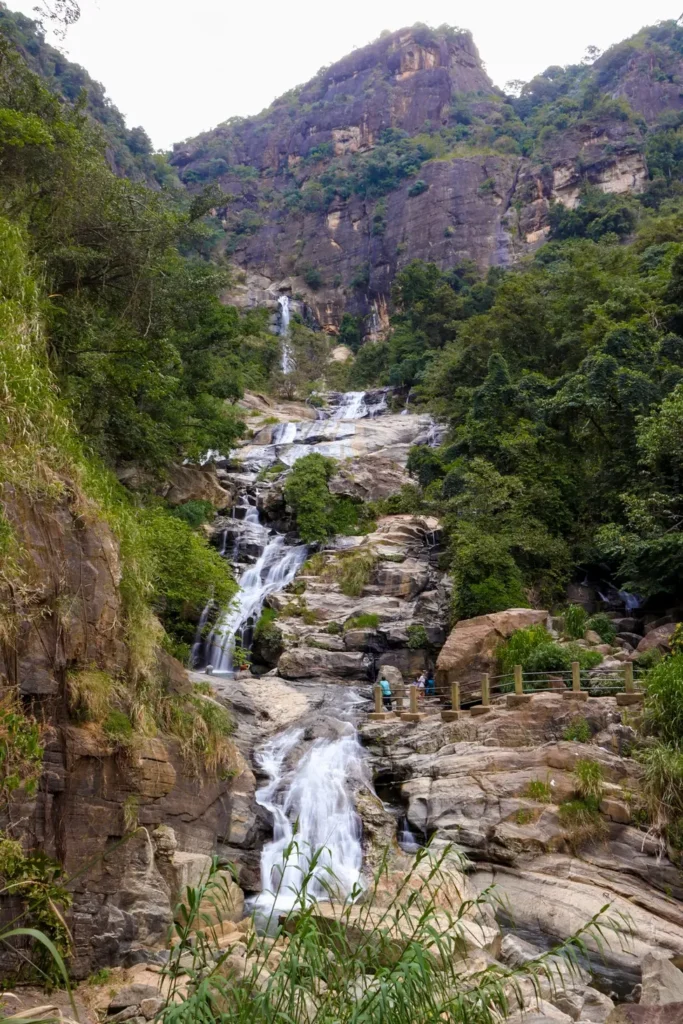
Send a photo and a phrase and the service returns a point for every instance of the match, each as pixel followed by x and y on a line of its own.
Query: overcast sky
pixel 178 67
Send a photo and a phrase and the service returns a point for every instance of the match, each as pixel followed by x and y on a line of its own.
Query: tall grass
pixel 393 954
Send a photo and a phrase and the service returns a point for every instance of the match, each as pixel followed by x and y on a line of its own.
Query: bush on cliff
pixel 319 514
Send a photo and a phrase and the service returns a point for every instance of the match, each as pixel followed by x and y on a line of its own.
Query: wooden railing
pixel 518 687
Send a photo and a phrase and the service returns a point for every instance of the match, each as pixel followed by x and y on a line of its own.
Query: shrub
pixel 517 649
pixel 539 791
pixel 417 636
pixel 318 513
pixel 582 822
pixel 418 187
pixel 195 513
pixel 36 882
pixel 664 699
pixel 354 571
pixel 588 778
pixel 579 731
pixel 312 277
pixel 575 621
pixel 21 749
pixel 603 626
pixel 334 628
pixel 367 621
pixel 662 783
pixel 524 815
pixel 118 728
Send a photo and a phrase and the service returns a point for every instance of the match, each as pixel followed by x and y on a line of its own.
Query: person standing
pixel 386 693
pixel 420 684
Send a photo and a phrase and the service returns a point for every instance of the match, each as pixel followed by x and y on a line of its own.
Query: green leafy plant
pixel 603 626
pixel 539 791
pixel 417 636
pixel 575 618
pixel 21 748
pixel 588 779
pixel 392 956
pixel 578 731
pixel 37 882
pixel 367 620
pixel 582 822
pixel 664 699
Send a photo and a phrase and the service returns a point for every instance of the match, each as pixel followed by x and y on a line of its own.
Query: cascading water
pixel 286 358
pixel 313 812
pixel 351 407
pixel 277 566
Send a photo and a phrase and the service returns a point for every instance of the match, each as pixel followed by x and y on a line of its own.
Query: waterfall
pixel 286 364
pixel 277 566
pixel 351 406
pixel 312 807
pixel 284 433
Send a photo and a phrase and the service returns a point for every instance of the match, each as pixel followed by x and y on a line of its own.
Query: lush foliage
pixel 396 955
pixel 320 514
pixel 535 650
pixel 37 883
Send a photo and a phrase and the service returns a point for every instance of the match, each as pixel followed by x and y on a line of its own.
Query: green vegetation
pixel 582 822
pixel 539 791
pixel 320 514
pixel 353 570
pixel 350 967
pixel 603 626
pixel 366 621
pixel 534 649
pixel 588 777
pixel 575 618
pixel 578 731
pixel 21 749
pixel 37 883
pixel 417 636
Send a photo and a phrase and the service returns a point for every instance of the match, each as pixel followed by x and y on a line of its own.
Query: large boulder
pixel 630 1013
pixel 659 637
pixel 195 483
pixel 662 981
pixel 470 650
pixel 311 662
pixel 370 478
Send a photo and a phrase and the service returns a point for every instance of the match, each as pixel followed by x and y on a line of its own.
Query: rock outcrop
pixel 300 201
pixel 496 786
pixel 470 649
pixel 66 617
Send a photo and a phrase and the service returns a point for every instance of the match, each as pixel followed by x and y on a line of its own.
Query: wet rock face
pixel 400 610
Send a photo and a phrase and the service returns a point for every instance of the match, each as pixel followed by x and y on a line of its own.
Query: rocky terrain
pixel 324 210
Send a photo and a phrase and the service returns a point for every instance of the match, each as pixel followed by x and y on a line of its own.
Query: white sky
pixel 178 67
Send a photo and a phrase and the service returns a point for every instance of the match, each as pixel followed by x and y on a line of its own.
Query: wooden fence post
pixel 485 706
pixel 519 683
pixel 628 677
pixel 378 700
pixel 576 693
pixel 455 713
pixel 519 696
pixel 631 695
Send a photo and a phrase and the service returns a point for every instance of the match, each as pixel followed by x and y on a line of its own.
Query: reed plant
pixel 395 950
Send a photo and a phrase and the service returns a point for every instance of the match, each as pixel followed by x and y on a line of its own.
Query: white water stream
pixel 313 814
pixel 286 363
pixel 276 567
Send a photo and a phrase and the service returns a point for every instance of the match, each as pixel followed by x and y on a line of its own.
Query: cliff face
pixel 405 150
pixel 66 617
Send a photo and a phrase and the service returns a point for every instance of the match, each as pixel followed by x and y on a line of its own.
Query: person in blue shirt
pixel 430 686
pixel 386 693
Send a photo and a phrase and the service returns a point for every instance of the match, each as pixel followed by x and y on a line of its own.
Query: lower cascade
pixel 313 813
